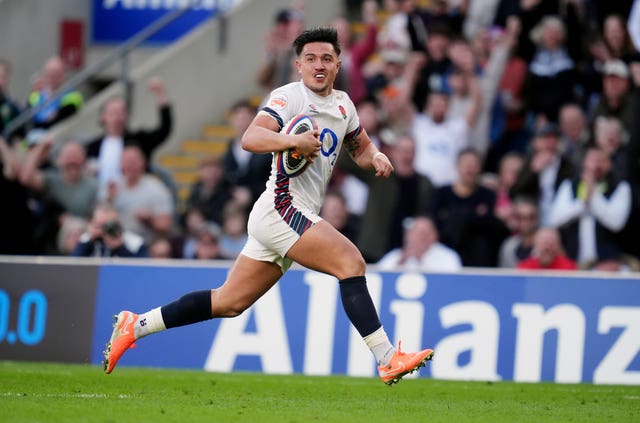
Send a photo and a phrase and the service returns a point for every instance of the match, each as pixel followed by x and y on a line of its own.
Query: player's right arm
pixel 263 136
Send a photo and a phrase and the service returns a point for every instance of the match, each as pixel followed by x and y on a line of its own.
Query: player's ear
pixel 298 64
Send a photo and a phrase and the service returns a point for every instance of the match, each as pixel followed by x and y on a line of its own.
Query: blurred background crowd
pixel 513 127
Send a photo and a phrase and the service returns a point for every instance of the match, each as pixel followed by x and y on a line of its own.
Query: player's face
pixel 318 65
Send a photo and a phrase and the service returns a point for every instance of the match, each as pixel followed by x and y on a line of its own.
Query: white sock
pixel 148 323
pixel 379 344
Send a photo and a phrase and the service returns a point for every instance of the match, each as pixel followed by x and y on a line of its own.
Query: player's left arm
pixel 366 154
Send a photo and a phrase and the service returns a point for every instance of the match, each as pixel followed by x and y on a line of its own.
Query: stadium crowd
pixel 513 127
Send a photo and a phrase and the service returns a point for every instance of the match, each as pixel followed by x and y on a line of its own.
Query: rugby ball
pixel 290 162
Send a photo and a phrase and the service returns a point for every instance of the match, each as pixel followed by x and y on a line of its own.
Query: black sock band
pixel 358 305
pixel 190 308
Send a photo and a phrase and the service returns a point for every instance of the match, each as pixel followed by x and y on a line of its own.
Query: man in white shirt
pixel 421 250
pixel 144 203
pixel 438 141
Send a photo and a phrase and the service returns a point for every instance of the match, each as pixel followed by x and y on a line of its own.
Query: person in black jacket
pixel 463 214
pixel 243 169
pixel 104 152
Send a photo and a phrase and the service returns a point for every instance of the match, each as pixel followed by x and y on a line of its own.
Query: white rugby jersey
pixel 337 119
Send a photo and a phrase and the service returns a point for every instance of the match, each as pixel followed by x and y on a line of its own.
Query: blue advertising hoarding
pixel 523 327
pixel 115 21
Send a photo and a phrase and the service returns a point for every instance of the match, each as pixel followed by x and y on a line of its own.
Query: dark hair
pixel 470 151
pixel 244 103
pixel 317 35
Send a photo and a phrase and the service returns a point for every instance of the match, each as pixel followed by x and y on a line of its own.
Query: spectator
pixel 551 77
pixel 519 245
pixel 397 115
pixel 633 25
pixel 246 171
pixel 574 133
pixel 160 248
pixel 208 244
pixel 105 151
pixel 463 213
pixel 480 16
pixel 610 137
pixel 68 185
pixel 592 210
pixel 212 192
pixel 616 100
pixel 66 104
pixel 9 109
pixel 421 250
pixel 547 253
pixel 545 169
pixel 431 76
pixel 404 194
pixel 355 54
pixel 394 35
pixel 59 192
pixel 354 191
pixel 508 126
pixel 617 39
pixel 234 231
pixel 334 210
pixel 16 220
pixel 69 234
pixel 439 140
pixel 184 245
pixel 143 202
pixel 278 65
pixel 105 237
pixel 510 167
pixel 466 100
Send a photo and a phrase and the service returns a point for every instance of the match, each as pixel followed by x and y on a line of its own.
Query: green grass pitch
pixel 37 392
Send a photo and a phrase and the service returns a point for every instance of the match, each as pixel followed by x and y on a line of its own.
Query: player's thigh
pixel 324 249
pixel 248 280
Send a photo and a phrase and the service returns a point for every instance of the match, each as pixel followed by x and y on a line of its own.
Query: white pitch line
pixel 39 395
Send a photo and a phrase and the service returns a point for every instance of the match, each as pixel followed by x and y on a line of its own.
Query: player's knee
pixel 228 310
pixel 225 307
pixel 352 265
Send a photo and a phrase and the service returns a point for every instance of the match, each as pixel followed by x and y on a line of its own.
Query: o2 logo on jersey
pixel 329 141
pixel 31 318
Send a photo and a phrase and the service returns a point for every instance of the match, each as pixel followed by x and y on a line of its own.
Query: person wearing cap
pixel 544 170
pixel 277 67
pixel 616 99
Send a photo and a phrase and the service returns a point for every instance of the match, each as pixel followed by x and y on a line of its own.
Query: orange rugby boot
pixel 121 340
pixel 402 363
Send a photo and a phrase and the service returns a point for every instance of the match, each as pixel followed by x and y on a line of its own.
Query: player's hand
pixel 308 144
pixel 382 165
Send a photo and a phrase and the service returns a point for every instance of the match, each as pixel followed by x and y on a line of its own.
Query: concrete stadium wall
pixel 29 34
pixel 202 81
pixel 560 327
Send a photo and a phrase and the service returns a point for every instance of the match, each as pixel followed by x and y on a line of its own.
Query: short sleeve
pixel 283 103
